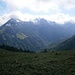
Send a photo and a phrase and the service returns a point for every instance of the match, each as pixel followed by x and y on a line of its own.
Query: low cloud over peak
pixel 58 18
pixel 54 10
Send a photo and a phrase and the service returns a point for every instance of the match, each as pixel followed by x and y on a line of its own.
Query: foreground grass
pixel 52 63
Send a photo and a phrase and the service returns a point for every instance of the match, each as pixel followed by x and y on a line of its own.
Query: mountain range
pixel 36 35
pixel 68 44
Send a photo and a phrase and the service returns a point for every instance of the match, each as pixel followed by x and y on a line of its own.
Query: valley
pixel 37 37
pixel 34 36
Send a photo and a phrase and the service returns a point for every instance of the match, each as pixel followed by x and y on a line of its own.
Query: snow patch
pixel 8 24
pixel 17 20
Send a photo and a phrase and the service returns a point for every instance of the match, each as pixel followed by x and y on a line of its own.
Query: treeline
pixel 11 48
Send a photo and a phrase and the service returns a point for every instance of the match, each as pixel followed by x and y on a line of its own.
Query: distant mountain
pixel 68 44
pixel 21 35
pixel 33 36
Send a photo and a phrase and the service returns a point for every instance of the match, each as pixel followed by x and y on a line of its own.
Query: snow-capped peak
pixel 17 20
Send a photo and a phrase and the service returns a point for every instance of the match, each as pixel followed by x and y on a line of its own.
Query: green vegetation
pixel 11 48
pixel 49 63
pixel 21 36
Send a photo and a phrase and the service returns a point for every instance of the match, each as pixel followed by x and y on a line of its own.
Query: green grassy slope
pixel 52 63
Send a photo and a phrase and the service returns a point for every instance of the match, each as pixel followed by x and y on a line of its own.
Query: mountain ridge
pixel 68 44
pixel 30 35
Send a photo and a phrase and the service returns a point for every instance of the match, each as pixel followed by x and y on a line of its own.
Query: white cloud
pixel 59 18
pixel 3 19
pixel 54 6
pixel 33 5
pixel 16 14
pixel 40 5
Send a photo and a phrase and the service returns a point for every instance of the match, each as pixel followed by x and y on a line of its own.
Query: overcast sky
pixel 54 10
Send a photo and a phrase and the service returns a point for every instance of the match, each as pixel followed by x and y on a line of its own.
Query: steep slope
pixel 68 44
pixel 32 35
pixel 51 31
pixel 21 35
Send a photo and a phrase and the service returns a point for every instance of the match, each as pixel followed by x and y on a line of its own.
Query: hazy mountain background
pixel 36 35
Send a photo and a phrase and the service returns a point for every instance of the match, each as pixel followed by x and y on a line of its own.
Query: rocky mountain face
pixel 34 36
